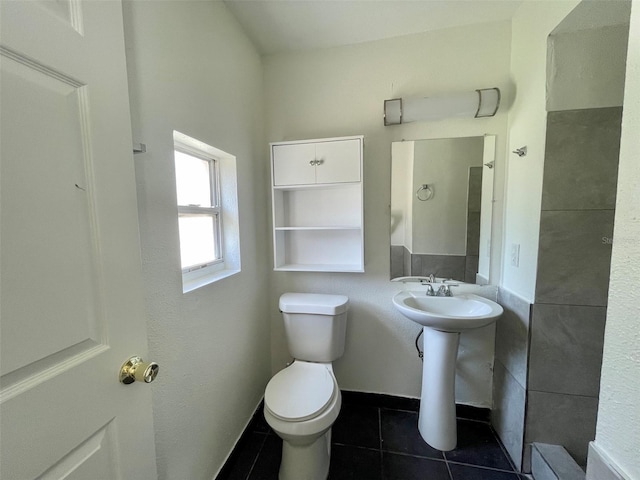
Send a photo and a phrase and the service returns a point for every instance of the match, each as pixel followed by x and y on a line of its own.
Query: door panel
pixel 340 161
pixel 57 238
pixel 71 307
pixel 291 164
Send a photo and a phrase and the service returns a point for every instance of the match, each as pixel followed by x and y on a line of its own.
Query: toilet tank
pixel 315 325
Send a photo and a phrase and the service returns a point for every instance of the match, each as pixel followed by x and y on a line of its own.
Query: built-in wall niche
pixel 441 207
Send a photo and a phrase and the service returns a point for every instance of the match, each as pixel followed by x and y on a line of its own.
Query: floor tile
pixel 477 445
pixel 243 457
pixel 406 467
pixel 372 441
pixel 268 463
pixel 358 426
pixel 258 423
pixel 400 434
pixel 355 463
pixel 465 472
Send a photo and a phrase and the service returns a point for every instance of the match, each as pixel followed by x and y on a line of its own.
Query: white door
pixel 71 307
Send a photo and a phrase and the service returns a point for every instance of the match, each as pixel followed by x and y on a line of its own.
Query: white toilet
pixel 302 401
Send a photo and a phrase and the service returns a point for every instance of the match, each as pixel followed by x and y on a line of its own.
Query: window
pixel 197 185
pixel 207 212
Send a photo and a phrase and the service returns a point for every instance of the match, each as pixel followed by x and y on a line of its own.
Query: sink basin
pixel 447 314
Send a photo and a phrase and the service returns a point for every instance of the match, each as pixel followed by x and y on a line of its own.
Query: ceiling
pixel 277 26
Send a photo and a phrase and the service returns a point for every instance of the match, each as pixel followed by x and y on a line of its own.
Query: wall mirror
pixel 441 205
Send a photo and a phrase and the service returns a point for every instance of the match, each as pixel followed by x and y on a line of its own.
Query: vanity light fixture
pixel 478 104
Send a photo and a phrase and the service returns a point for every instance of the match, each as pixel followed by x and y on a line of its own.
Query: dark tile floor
pixel 376 438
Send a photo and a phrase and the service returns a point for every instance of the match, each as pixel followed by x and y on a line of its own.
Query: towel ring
pixel 428 195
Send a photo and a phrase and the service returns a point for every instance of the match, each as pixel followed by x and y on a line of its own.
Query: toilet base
pixel 306 462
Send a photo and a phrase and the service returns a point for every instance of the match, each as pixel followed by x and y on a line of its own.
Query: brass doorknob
pixel 136 369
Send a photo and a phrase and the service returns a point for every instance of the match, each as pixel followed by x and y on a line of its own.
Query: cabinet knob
pixel 319 162
pixel 312 162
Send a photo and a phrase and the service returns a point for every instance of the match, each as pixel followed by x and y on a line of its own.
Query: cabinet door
pixel 339 161
pixel 294 164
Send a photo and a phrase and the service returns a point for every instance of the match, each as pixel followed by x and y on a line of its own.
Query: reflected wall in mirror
pixel 441 202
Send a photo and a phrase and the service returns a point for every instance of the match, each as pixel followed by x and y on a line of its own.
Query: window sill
pixel 191 282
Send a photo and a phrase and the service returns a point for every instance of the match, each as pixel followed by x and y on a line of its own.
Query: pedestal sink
pixel 442 319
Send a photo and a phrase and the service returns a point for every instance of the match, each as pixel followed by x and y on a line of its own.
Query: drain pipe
pixel 420 352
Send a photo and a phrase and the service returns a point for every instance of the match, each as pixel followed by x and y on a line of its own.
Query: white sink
pixel 443 320
pixel 447 314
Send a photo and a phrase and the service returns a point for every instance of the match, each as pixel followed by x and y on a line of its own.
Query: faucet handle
pixel 444 291
pixel 430 291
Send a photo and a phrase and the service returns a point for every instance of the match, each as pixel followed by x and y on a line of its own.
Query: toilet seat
pixel 300 392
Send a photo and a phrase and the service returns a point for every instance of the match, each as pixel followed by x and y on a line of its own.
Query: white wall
pixel 192 69
pixel 340 91
pixel 583 72
pixel 618 428
pixel 533 22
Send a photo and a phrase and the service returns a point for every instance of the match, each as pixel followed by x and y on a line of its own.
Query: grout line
pixel 255 460
pixel 380 442
pixel 449 470
pixel 413 455
pixel 399 410
pixel 484 422
pixel 483 467
pixel 371 449
pixel 503 448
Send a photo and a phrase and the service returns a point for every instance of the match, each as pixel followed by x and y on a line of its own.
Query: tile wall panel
pixel 581 159
pixel 566 349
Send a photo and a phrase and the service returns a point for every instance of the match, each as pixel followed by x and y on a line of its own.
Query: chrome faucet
pixel 443 291
pixel 430 291
pixel 432 279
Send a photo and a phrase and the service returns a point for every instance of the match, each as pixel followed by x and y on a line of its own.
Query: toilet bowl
pixel 302 401
pixel 301 404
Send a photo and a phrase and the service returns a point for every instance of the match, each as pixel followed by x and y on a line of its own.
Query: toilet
pixel 302 401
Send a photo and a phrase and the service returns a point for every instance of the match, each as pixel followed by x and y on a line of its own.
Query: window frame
pixel 215 211
pixel 225 184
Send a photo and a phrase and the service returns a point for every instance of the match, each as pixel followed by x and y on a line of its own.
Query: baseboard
pixel 381 400
pixel 601 467
pixel 553 462
pixel 243 434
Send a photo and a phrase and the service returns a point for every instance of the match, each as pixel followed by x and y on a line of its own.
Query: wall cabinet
pixel 317 202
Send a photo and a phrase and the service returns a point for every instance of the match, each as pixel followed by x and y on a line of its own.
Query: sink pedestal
pixel 437 420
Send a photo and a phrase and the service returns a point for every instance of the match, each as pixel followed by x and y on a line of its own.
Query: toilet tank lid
pixel 316 303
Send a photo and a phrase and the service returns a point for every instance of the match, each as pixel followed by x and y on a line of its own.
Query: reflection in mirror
pixel 441 202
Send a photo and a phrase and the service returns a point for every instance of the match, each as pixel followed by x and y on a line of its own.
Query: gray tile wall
pixel 561 419
pixel 574 258
pixel 566 349
pixel 512 335
pixel 447 266
pixel 581 159
pixel 548 358
pixel 397 261
pixel 458 267
pixel 510 373
pixel 508 412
